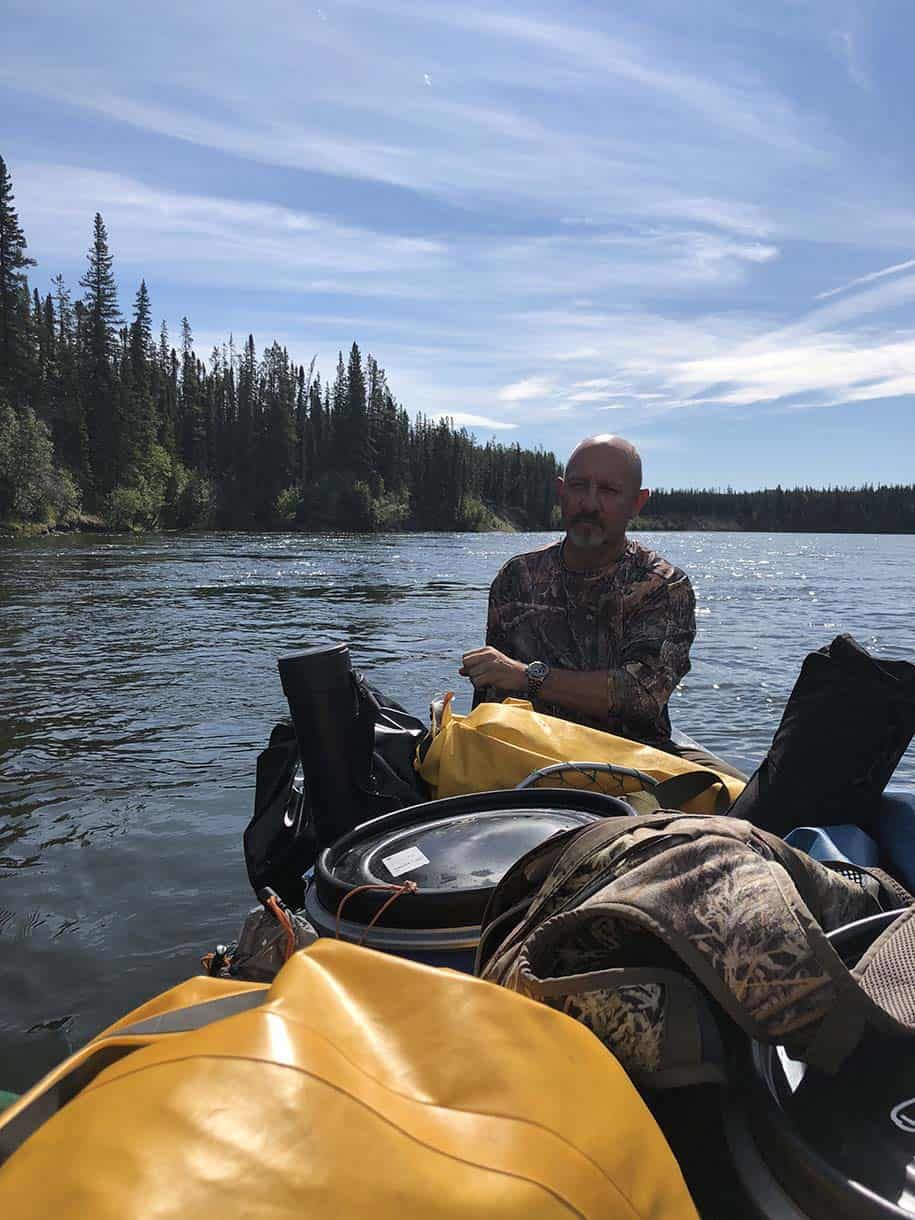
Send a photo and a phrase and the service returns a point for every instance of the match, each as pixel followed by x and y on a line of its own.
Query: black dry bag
pixel 356 752
pixel 847 723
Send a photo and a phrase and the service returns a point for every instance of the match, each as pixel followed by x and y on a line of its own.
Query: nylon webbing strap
pixel 17 1129
pixel 838 1033
pixel 196 1016
pixel 900 894
pixel 677 791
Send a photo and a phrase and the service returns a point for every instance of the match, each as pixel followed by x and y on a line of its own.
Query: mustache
pixel 589 518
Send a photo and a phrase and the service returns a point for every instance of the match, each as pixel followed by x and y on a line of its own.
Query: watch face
pixel 538 669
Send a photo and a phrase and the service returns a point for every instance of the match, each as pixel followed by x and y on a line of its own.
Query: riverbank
pixel 78 523
pixel 86 523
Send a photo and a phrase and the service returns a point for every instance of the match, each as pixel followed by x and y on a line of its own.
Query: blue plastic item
pixel 844 842
pixel 895 830
pixel 893 847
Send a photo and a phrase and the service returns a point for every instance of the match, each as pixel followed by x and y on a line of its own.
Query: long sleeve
pixel 496 636
pixel 653 658
pixel 500 596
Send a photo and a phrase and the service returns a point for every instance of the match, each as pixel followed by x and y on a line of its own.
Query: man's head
pixel 600 494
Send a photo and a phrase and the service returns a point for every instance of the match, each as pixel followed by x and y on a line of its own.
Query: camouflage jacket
pixel 635 618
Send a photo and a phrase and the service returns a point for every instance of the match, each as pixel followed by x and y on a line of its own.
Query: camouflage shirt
pixel 635 618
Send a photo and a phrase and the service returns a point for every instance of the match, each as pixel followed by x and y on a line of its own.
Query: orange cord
pixel 406 887
pixel 282 918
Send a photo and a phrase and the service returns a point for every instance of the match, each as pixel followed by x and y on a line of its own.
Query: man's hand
pixel 489 667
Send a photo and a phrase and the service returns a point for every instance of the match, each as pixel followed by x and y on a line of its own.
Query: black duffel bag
pixel 847 723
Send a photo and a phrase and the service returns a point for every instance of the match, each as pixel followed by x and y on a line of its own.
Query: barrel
pixel 454 851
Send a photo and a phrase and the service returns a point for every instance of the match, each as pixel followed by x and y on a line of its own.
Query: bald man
pixel 595 628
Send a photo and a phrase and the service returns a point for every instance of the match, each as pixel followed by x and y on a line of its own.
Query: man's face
pixel 598 497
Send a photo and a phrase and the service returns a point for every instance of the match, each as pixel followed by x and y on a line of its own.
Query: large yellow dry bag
pixel 356 1085
pixel 498 745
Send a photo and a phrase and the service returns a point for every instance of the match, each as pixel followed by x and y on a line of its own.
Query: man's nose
pixel 590 494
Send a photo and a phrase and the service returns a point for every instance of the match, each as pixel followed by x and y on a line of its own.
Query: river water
pixel 138 684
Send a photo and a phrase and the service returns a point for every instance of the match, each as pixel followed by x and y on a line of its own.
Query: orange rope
pixel 282 918
pixel 406 887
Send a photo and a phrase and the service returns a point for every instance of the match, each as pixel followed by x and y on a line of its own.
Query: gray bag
pixel 631 924
pixel 264 944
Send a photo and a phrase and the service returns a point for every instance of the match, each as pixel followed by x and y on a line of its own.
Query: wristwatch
pixel 537 674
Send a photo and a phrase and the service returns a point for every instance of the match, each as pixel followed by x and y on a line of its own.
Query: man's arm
pixel 500 596
pixel 579 691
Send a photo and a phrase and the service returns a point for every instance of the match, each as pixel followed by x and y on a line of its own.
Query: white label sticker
pixel 404 861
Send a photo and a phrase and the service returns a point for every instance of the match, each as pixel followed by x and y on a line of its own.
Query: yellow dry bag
pixel 498 745
pixel 355 1085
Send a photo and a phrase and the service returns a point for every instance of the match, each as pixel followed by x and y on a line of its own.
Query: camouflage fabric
pixel 634 618
pixel 699 900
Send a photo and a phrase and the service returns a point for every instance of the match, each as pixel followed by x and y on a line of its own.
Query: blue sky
pixel 691 223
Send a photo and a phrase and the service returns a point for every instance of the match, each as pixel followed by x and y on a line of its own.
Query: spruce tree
pixel 166 392
pixel 141 340
pixel 138 431
pixel 99 392
pixel 360 439
pixel 337 417
pixel 14 302
pixel 101 297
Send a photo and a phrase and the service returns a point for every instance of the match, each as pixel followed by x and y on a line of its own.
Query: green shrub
pixel 474 516
pixel 357 507
pixel 132 508
pixel 286 508
pixel 194 506
pixel 392 512
pixel 32 488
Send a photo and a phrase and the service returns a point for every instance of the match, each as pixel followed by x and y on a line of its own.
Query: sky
pixel 692 224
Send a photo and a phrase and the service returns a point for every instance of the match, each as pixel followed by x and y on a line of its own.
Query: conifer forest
pixel 106 422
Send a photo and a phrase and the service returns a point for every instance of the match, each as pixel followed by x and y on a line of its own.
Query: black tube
pixel 334 735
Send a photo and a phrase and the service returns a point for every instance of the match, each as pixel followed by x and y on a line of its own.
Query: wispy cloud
pixel 833 368
pixel 223 239
pixel 868 279
pixel 463 419
pixel 528 387
pixel 750 109
pixel 844 45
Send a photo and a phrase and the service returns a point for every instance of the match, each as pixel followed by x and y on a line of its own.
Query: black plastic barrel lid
pixel 466 852
pixel 456 850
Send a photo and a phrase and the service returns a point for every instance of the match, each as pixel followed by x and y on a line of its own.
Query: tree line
pixel 862 510
pixel 103 417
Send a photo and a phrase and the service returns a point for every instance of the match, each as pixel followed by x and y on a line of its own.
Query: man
pixel 595 628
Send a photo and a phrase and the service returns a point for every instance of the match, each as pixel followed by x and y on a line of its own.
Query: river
pixel 139 683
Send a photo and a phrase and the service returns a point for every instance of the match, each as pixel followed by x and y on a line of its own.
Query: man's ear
pixel 641 500
pixel 559 485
